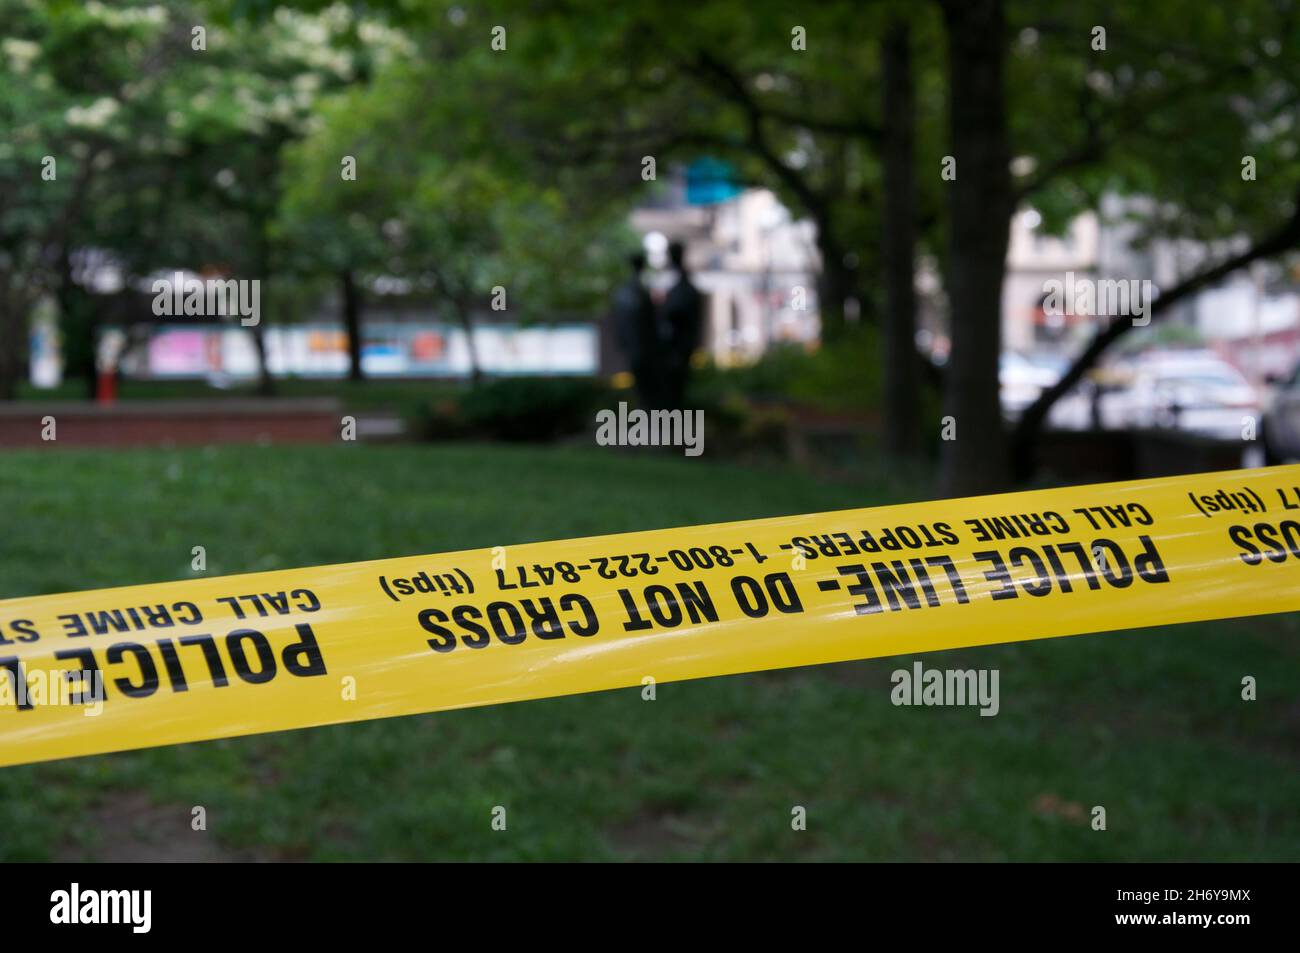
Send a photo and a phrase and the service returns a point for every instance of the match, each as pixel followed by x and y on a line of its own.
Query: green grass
pixel 1147 723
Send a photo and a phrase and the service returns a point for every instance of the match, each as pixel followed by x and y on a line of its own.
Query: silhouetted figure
pixel 637 331
pixel 683 319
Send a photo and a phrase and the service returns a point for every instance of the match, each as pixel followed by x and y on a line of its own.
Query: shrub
pixel 532 408
pixel 843 376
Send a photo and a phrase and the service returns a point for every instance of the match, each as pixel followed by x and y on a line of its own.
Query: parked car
pixel 1195 391
pixel 1023 377
pixel 1280 430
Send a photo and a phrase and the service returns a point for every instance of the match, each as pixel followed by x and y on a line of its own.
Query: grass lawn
pixel 1147 723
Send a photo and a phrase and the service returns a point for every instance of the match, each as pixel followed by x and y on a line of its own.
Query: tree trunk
pixel 265 382
pixel 79 325
pixel 467 322
pixel 352 322
pixel 459 297
pixel 980 204
pixel 901 371
pixel 11 342
pixel 833 283
pixel 262 268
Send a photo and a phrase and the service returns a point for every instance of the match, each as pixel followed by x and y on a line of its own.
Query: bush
pixel 522 409
pixel 845 376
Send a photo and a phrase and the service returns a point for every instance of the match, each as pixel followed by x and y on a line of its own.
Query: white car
pixel 1023 378
pixel 1281 430
pixel 1195 391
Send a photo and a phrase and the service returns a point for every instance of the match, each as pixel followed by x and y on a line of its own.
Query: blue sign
pixel 709 181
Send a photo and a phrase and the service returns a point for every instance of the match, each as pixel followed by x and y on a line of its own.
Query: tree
pixel 433 204
pixel 63 126
pixel 1179 138
pixel 165 127
pixel 600 91
pixel 1136 100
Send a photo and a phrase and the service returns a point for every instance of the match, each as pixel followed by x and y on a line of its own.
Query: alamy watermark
pixel 1081 295
pixel 133 908
pixel 947 687
pixel 651 428
pixel 25 690
pixel 213 297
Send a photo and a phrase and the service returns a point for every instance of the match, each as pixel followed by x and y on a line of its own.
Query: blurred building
pixel 1252 318
pixel 755 264
pixel 403 335
pixel 421 348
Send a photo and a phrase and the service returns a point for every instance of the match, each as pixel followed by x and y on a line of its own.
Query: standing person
pixel 683 313
pixel 636 327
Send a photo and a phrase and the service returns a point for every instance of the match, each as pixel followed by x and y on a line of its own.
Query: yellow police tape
pixel 140 666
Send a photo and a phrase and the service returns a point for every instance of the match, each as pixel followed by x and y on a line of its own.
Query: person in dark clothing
pixel 637 329
pixel 683 319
